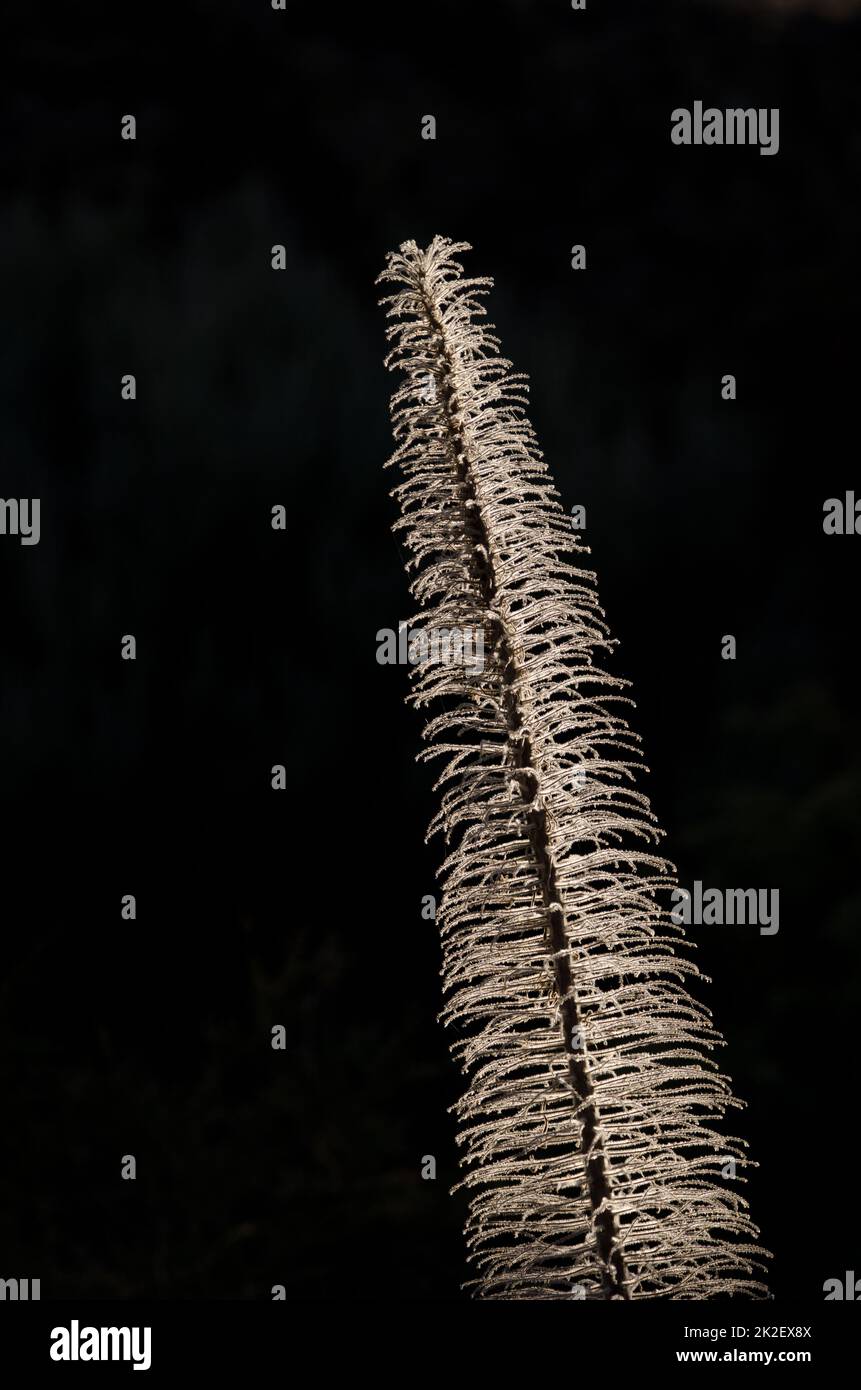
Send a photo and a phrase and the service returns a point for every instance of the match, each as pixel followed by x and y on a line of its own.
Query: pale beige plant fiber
pixel 589 1122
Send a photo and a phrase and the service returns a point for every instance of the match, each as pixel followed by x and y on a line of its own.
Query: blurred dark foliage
pixel 255 127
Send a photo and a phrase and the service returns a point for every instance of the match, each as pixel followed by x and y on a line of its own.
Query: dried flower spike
pixel 587 1122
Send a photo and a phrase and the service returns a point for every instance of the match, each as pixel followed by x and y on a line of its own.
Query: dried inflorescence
pixel 588 1120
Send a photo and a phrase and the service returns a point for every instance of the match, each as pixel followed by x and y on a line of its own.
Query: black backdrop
pixel 255 647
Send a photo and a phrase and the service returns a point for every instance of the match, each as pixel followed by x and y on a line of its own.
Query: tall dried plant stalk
pixel 587 1122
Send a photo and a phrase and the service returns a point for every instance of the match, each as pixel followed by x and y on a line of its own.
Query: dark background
pixel 255 647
